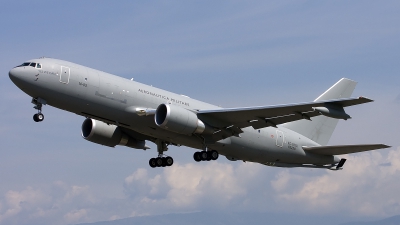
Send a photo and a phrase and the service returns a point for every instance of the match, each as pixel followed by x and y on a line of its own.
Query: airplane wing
pixel 342 149
pixel 229 121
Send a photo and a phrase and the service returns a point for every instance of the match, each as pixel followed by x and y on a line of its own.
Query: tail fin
pixel 320 129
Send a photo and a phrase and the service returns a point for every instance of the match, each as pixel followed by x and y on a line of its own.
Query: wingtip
pixel 365 98
pixel 381 146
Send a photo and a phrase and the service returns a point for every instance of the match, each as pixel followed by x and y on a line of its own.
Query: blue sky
pixel 229 53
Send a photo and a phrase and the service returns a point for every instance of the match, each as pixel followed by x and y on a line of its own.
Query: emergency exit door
pixel 279 138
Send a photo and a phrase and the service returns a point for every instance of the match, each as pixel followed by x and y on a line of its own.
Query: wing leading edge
pixel 228 122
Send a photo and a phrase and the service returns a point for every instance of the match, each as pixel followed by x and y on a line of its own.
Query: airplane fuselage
pixel 115 100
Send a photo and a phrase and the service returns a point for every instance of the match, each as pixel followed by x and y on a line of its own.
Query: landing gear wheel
pixel 38 117
pixel 164 162
pixel 159 162
pixel 197 157
pixel 152 163
pixel 208 156
pixel 203 155
pixel 169 161
pixel 214 155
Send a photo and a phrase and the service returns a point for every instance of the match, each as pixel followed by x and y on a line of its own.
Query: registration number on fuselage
pixel 83 84
pixel 292 145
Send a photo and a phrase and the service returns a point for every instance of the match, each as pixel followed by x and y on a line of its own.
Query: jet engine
pixel 108 135
pixel 179 120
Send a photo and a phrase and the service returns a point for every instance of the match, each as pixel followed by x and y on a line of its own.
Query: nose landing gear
pixel 38 102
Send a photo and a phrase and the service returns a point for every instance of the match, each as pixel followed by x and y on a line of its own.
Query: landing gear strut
pixel 205 155
pixel 161 161
pixel 38 102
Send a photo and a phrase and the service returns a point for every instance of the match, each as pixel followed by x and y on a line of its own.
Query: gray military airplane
pixel 124 112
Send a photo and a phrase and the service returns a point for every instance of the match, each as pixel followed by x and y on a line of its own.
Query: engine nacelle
pixel 179 120
pixel 108 135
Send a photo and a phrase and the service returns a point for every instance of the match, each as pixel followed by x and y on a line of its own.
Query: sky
pixel 228 53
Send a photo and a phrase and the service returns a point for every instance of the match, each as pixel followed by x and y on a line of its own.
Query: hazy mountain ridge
pixel 243 218
pixel 394 220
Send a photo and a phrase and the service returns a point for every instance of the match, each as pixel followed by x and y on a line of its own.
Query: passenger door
pixel 64 76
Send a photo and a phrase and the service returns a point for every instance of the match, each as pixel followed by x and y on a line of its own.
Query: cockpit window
pixel 34 65
pixel 24 64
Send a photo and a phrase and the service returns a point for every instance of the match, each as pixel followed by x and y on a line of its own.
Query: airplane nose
pixel 15 76
pixel 12 74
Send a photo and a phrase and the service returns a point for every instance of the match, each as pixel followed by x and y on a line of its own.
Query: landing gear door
pixel 279 138
pixel 64 76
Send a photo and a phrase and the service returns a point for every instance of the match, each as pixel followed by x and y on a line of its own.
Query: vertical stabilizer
pixel 320 129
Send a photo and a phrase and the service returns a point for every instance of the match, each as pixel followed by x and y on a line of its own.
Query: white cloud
pixel 185 186
pixel 191 183
pixel 364 187
pixel 115 217
pixel 367 186
pixel 26 200
pixel 36 205
pixel 75 215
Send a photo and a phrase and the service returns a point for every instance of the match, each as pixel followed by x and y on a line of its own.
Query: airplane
pixel 124 112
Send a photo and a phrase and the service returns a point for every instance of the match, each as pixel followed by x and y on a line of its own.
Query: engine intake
pixel 108 135
pixel 179 120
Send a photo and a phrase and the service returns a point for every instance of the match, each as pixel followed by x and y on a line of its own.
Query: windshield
pixel 34 65
pixel 24 64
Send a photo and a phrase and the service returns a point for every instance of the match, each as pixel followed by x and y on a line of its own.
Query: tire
pixel 159 162
pixel 152 163
pixel 203 155
pixel 208 156
pixel 214 155
pixel 196 157
pixel 169 161
pixel 35 118
pixel 40 117
pixel 164 162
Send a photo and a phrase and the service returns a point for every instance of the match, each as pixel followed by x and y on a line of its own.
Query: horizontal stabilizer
pixel 342 149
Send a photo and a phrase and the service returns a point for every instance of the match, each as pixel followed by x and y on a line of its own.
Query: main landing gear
pixel 38 102
pixel 161 161
pixel 205 155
